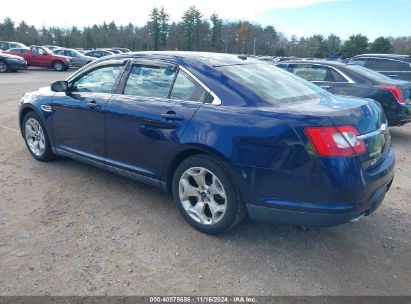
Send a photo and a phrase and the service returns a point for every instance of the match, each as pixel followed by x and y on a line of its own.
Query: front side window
pixel 272 84
pixel 149 81
pixel 71 54
pixel 360 62
pixel 186 88
pixel 101 80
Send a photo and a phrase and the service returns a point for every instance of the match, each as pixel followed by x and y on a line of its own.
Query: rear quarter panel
pixel 245 142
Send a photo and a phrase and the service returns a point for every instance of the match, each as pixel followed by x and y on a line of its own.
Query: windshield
pixel 272 84
pixel 368 73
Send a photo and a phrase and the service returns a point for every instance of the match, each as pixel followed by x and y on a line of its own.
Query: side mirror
pixel 59 86
pixel 45 54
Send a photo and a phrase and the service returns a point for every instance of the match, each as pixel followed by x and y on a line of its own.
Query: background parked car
pixel 98 53
pixel 78 59
pixel 348 79
pixel 5 45
pixel 394 66
pixel 123 50
pixel 52 47
pixel 11 63
pixel 42 57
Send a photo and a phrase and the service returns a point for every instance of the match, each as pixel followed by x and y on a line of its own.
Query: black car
pixel 11 63
pixel 352 80
pixel 98 53
pixel 394 66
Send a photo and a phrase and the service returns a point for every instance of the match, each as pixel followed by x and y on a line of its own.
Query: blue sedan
pixel 226 135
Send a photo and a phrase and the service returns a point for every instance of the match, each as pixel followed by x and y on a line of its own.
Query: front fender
pixel 40 103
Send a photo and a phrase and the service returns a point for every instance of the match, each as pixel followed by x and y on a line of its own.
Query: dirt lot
pixel 70 229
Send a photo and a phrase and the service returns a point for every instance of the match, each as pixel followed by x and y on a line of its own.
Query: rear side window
pixel 388 65
pixel 100 80
pixel 59 52
pixel 149 81
pixel 186 88
pixel 318 73
pixel 312 72
pixel 38 51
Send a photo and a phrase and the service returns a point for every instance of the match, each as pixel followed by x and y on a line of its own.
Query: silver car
pixel 78 59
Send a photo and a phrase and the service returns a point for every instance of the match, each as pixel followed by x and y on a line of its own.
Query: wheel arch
pixel 23 112
pixel 190 150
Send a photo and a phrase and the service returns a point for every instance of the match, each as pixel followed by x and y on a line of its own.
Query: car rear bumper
pixel 331 216
pixel 348 191
pixel 402 117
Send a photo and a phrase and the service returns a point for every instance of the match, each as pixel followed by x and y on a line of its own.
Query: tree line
pixel 195 32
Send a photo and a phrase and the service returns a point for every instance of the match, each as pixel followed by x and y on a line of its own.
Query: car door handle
pixel 172 116
pixel 393 76
pixel 93 105
pixel 326 87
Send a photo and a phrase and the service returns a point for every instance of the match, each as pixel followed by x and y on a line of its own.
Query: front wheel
pixel 58 66
pixel 36 138
pixel 206 196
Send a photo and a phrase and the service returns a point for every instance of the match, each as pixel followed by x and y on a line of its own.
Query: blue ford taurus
pixel 227 135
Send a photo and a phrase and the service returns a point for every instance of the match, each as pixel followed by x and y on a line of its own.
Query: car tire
pixel 205 195
pixel 58 66
pixel 3 66
pixel 36 137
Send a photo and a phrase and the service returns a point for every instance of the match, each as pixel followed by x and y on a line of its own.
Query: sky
pixel 300 17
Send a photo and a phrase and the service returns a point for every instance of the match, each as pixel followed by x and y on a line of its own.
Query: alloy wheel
pixel 3 67
pixel 202 195
pixel 35 137
pixel 58 66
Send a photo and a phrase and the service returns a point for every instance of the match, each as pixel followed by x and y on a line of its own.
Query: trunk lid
pixel 369 119
pixel 365 115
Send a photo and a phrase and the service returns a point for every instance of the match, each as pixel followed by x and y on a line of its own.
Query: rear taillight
pixel 336 141
pixel 396 91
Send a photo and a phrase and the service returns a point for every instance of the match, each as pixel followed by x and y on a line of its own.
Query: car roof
pixel 388 56
pixel 19 48
pixel 324 62
pixel 207 58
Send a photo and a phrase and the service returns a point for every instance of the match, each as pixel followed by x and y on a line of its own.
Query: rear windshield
pixel 371 74
pixel 272 84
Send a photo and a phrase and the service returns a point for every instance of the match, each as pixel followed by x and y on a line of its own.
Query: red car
pixel 42 57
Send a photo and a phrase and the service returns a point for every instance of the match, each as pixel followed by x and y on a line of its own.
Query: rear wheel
pixel 58 66
pixel 205 195
pixel 36 138
pixel 3 67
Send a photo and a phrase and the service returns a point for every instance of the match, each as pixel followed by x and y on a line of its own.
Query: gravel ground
pixel 70 229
